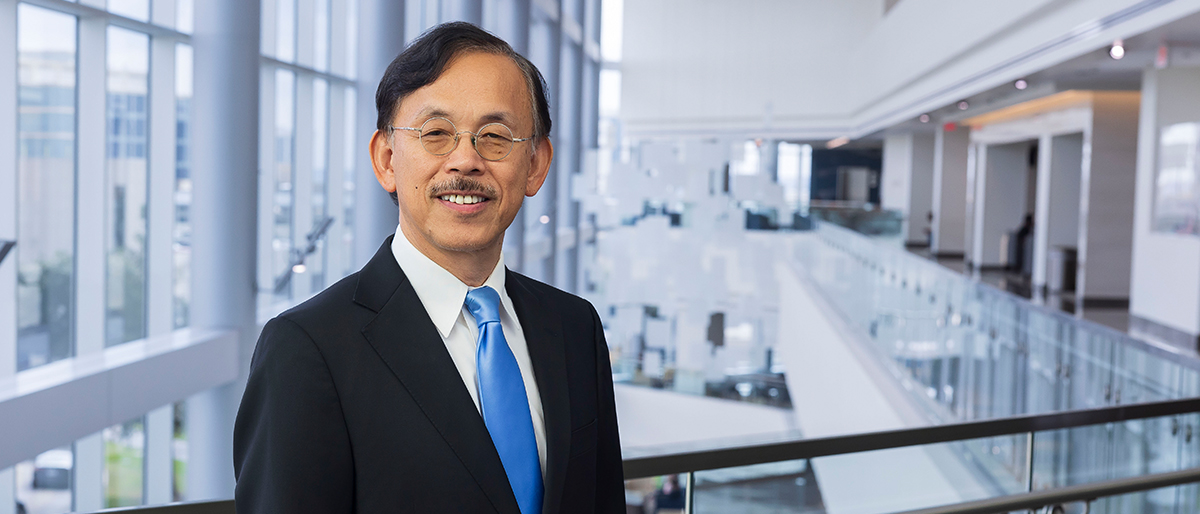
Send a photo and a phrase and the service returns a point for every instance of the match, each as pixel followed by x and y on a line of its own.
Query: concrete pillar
pixel 896 175
pixel 379 42
pixel 949 201
pixel 1106 201
pixel 224 242
pixel 1164 300
pixel 541 236
pixel 509 19
pixel 907 185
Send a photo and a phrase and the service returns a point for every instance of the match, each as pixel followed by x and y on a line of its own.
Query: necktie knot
pixel 484 304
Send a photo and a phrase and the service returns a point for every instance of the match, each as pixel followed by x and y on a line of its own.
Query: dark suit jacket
pixel 354 405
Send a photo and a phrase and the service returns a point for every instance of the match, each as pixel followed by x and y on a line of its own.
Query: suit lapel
pixel 543 336
pixel 408 342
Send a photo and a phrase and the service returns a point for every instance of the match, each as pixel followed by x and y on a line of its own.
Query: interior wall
pixel 906 182
pixel 1000 199
pixel 896 176
pixel 949 191
pixel 1165 285
pixel 921 189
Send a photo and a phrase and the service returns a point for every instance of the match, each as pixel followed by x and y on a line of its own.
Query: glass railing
pixel 976 352
pixel 968 351
pixel 860 217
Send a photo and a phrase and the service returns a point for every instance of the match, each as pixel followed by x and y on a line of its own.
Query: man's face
pixel 475 89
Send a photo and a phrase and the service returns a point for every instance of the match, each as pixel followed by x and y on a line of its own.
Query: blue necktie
pixel 503 402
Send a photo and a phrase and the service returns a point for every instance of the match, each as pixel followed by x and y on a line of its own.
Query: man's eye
pixel 435 133
pixel 493 137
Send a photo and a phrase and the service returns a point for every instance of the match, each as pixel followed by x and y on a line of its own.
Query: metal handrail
pixel 672 462
pixel 690 461
pixel 1068 494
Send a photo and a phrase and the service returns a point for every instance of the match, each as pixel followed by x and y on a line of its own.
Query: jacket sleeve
pixel 610 476
pixel 291 450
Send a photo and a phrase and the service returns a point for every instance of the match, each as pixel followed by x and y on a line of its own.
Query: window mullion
pixel 161 200
pixel 334 178
pixel 305 24
pixel 302 220
pixel 90 268
pixel 160 430
pixel 268 26
pixel 8 199
pixel 337 39
pixel 90 206
pixel 266 186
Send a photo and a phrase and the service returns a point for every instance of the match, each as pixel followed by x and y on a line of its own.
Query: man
pixel 435 380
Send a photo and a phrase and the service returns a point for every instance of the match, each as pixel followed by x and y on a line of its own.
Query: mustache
pixel 463 185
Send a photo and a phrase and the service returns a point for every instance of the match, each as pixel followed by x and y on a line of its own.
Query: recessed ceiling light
pixel 924 118
pixel 1118 49
pixel 1020 84
pixel 836 142
pixel 963 105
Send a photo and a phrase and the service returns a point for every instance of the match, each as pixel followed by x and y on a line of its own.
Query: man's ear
pixel 540 167
pixel 381 160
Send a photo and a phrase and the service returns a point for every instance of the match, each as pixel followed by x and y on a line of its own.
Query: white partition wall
pixel 1164 297
pixel 907 182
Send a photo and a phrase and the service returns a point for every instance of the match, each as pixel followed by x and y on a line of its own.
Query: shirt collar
pixel 440 291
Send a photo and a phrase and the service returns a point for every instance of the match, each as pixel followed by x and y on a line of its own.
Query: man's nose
pixel 464 158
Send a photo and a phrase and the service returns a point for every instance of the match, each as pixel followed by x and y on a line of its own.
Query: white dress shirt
pixel 443 296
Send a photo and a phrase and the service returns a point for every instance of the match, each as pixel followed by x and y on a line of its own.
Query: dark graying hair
pixel 427 58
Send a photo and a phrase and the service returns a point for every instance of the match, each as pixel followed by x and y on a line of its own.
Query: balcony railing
pixel 692 460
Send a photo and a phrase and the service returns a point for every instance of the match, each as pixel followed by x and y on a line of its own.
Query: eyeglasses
pixel 439 136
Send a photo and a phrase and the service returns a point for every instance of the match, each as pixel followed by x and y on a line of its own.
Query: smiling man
pixel 435 379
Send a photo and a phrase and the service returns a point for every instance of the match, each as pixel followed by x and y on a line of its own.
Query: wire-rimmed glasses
pixel 439 136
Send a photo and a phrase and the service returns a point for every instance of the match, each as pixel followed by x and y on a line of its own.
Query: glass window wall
pixel 182 235
pixel 281 194
pixel 124 455
pixel 127 173
pixel 46 81
pixel 44 484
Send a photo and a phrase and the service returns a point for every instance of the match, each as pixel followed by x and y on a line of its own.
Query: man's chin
pixel 466 244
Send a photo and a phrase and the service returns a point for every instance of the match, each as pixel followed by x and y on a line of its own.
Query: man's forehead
pixel 444 111
pixel 474 87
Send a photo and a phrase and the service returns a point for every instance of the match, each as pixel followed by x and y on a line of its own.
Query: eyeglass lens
pixel 493 142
